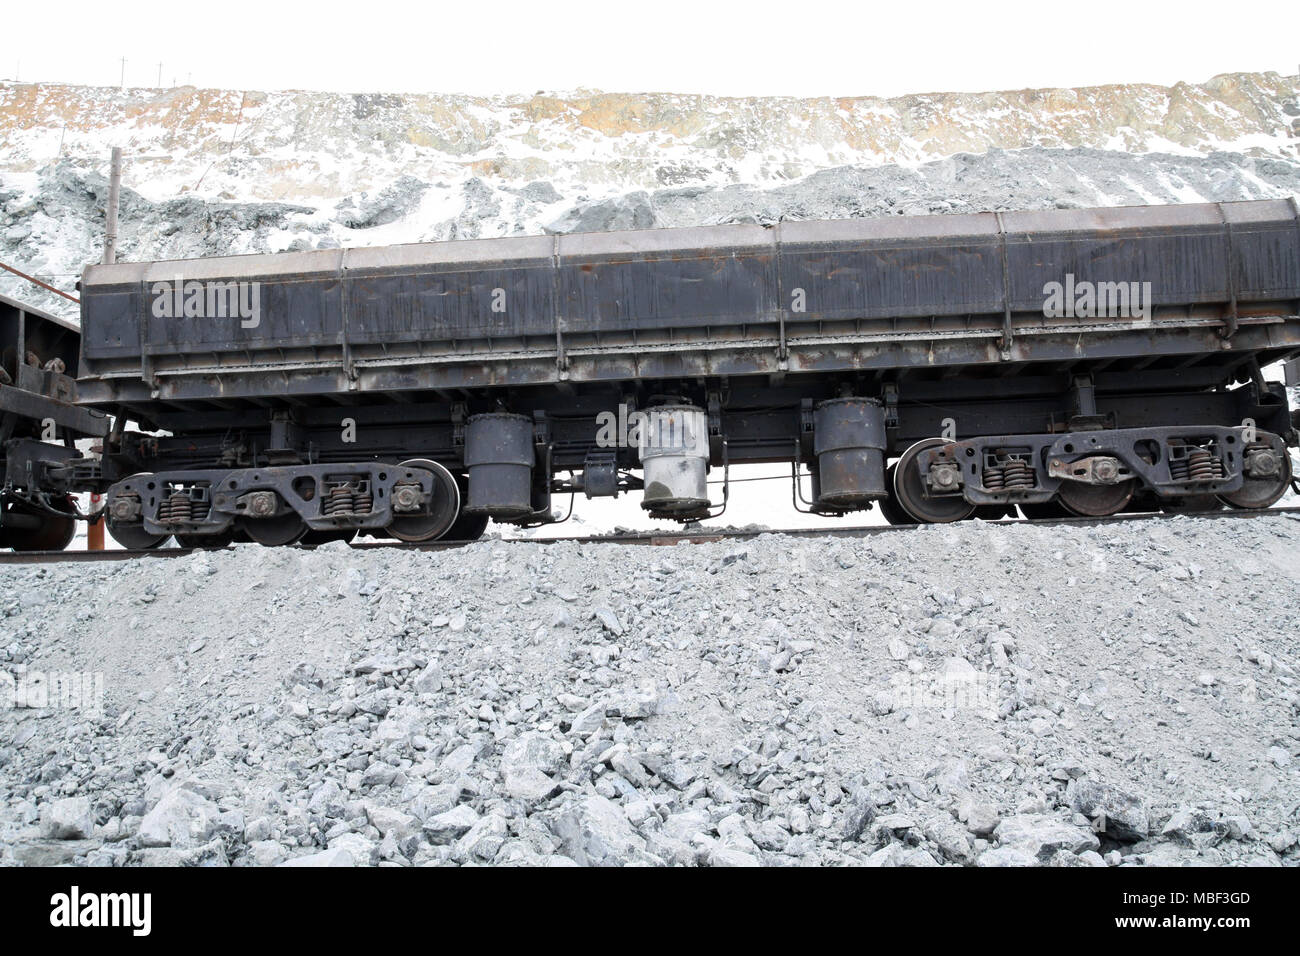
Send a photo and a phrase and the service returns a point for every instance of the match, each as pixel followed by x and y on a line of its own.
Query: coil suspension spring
pixel 179 507
pixel 340 500
pixel 1200 464
pixel 1015 474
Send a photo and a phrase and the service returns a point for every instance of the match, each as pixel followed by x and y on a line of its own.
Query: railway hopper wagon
pixel 938 367
pixel 40 424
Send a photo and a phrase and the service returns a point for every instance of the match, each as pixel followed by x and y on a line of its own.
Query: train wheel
pixel 467 528
pixel 53 534
pixel 133 537
pixel 445 507
pixel 910 490
pixel 890 509
pixel 273 532
pixel 1096 501
pixel 1257 493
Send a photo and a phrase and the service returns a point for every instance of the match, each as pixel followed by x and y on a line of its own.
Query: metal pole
pixel 95 531
pixel 36 281
pixel 114 186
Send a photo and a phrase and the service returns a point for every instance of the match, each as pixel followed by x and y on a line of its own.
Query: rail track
pixel 658 538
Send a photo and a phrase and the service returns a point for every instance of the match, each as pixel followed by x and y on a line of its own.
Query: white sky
pixel 804 47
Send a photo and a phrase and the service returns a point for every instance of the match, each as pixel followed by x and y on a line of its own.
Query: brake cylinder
pixel 674 452
pixel 849 442
pixel 499 456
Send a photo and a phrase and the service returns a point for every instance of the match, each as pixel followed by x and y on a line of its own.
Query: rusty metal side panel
pixel 687 291
pixel 664 303
pixel 1266 260
pixel 891 279
pixel 1189 267
pixel 112 307
pixel 446 305
pixel 439 293
pixel 125 315
pixel 293 312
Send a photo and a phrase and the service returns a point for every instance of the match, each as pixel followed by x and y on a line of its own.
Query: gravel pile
pixel 988 695
pixel 998 180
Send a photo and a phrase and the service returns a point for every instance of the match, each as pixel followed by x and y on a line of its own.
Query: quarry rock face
pixel 298 146
pixel 212 172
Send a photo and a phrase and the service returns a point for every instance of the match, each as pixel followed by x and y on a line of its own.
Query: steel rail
pixel 654 538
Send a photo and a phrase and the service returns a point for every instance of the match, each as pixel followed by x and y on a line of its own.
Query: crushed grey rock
pixel 67 819
pixel 180 818
pixel 450 826
pixel 687 747
pixel 1041 836
pixel 1007 856
pixel 596 832
pixel 981 818
pixel 1116 813
pixel 334 857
